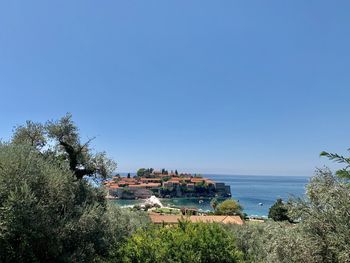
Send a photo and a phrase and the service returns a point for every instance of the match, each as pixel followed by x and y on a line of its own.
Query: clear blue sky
pixel 236 87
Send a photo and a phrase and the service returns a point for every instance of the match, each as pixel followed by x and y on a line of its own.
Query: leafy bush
pixel 229 207
pixel 279 211
pixel 325 217
pixel 186 242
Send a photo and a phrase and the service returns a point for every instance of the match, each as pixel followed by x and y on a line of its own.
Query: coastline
pixel 248 190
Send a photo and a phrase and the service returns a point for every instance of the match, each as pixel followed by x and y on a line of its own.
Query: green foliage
pixel 143 172
pixel 325 216
pixel 342 173
pixel 251 239
pixel 321 236
pixel 279 211
pixel 166 210
pixel 186 242
pixel 229 207
pixel 277 242
pixel 201 187
pixel 61 139
pixel 48 216
pixel 31 133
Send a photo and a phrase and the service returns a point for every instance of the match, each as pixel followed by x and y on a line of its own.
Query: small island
pixel 164 184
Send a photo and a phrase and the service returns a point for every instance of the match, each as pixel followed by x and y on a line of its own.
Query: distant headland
pixel 164 184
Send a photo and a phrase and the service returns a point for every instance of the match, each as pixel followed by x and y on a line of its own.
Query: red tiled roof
pixel 144 185
pixel 175 179
pixel 173 219
pixel 150 179
pixel 128 179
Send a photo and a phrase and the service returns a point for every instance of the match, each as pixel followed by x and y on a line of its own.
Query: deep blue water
pixel 248 190
pixel 252 190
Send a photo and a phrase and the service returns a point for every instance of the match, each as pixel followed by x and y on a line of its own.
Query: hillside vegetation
pixel 51 212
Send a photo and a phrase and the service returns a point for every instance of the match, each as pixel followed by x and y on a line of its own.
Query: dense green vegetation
pixel 228 207
pixel 50 212
pixel 321 235
pixel 183 243
pixel 142 172
pixel 279 211
pixel 48 216
pixel 61 139
pixel 166 210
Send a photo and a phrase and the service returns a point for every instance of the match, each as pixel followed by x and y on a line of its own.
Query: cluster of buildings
pixel 165 186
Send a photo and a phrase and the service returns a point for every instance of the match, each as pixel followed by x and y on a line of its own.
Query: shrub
pixel 279 211
pixel 229 207
pixel 186 242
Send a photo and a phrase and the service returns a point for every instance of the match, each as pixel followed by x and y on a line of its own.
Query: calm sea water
pixel 250 191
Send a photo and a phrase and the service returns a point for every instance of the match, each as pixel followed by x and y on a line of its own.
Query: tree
pixel 279 211
pixel 141 172
pixel 176 172
pixel 229 207
pixel 31 133
pixel 251 239
pixel 278 242
pixel 48 216
pixel 128 175
pixel 186 242
pixel 61 139
pixel 324 215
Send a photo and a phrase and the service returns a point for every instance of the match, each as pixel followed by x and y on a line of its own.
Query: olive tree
pixel 46 215
pixel 61 139
pixel 324 215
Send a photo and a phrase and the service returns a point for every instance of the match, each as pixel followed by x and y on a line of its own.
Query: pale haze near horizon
pixel 258 88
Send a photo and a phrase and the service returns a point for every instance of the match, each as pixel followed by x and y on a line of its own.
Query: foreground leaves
pixel 186 242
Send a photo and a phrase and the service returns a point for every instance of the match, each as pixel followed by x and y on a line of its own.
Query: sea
pixel 255 193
